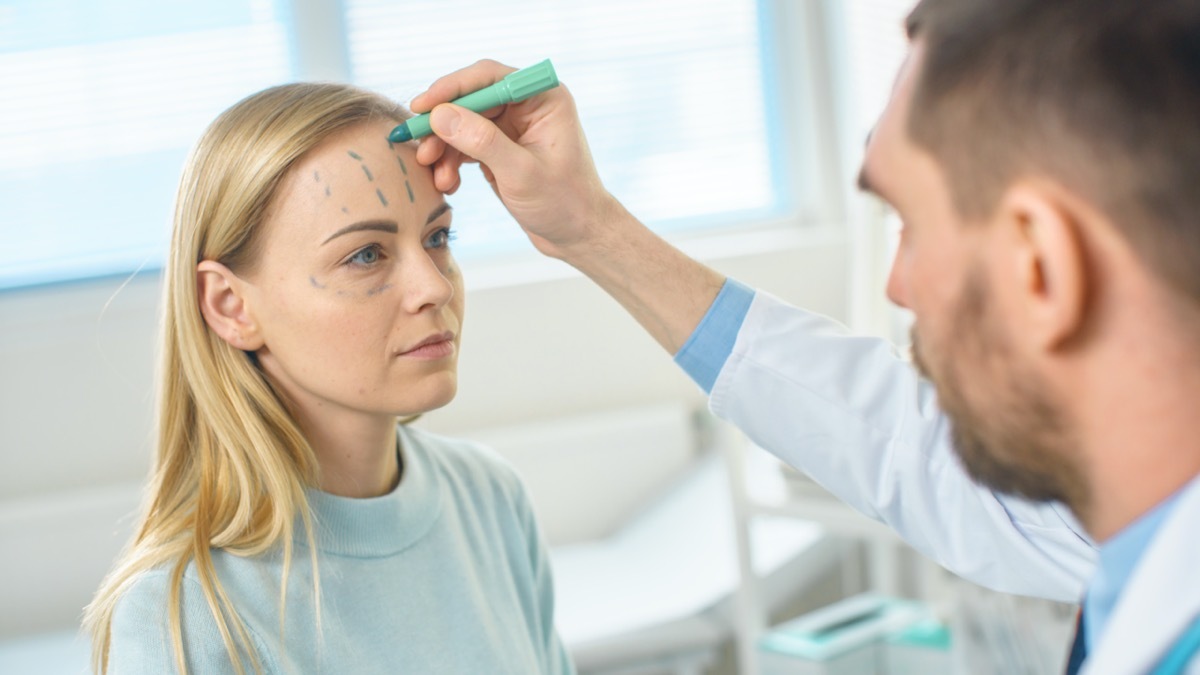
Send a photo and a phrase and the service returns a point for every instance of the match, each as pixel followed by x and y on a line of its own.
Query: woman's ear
pixel 224 306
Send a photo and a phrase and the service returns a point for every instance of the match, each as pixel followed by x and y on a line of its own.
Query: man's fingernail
pixel 445 120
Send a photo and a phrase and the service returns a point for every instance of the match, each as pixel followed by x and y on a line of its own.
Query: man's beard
pixel 1010 435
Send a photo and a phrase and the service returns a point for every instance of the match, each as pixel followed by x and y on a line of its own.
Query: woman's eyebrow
pixel 437 212
pixel 388 226
pixel 380 225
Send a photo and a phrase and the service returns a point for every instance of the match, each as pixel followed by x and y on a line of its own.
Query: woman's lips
pixel 436 346
pixel 433 350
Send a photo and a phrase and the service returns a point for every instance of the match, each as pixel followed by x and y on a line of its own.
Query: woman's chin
pixel 430 397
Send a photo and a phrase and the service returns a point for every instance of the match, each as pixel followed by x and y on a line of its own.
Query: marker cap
pixel 532 80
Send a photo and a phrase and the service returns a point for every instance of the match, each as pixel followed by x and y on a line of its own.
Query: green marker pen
pixel 514 87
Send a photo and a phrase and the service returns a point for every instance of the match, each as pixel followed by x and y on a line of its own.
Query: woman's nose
pixel 426 284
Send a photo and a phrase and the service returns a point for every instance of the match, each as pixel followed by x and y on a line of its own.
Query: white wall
pixel 76 392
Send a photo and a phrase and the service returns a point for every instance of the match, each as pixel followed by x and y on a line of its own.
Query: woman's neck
pixel 358 455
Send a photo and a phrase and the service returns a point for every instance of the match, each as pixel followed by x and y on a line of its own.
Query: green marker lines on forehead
pixel 404 170
pixel 366 171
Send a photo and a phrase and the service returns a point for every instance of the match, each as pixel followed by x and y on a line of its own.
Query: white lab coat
pixel 858 419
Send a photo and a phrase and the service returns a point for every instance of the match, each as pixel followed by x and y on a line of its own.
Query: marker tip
pixel 400 134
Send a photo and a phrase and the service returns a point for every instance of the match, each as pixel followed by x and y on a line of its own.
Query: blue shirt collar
pixel 1118 558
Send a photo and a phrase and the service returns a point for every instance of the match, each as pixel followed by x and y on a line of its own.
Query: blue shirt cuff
pixel 708 347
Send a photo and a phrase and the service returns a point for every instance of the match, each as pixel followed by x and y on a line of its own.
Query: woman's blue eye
pixel 440 239
pixel 366 256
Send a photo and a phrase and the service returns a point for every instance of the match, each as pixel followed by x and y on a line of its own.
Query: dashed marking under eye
pixel 345 210
pixel 402 166
pixel 368 172
pixel 354 154
pixel 328 191
pixel 410 193
pixel 317 176
pixel 382 199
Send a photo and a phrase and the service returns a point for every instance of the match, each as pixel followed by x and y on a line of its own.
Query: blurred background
pixel 733 127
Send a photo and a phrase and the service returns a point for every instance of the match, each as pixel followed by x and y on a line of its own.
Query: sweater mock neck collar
pixel 381 526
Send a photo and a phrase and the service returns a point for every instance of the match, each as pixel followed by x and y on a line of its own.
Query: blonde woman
pixel 292 526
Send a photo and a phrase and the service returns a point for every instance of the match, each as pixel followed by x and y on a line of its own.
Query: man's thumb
pixel 471 134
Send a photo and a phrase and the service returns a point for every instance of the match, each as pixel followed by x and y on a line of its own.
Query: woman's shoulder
pixel 151 595
pixel 150 590
pixel 141 640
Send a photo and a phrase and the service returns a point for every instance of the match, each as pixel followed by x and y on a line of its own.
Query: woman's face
pixel 355 294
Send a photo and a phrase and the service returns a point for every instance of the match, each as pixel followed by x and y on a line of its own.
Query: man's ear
pixel 1051 270
pixel 224 307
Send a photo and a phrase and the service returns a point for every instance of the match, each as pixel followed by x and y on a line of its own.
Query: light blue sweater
pixel 447 574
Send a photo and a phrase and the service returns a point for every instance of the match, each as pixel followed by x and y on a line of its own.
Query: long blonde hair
pixel 231 462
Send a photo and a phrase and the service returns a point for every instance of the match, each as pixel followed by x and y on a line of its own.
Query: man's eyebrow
pixel 437 212
pixel 379 225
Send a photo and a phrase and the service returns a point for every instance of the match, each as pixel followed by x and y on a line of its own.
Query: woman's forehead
pixel 362 149
pixel 361 160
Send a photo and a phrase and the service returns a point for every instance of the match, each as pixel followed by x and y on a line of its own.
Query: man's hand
pixel 537 160
pixel 533 154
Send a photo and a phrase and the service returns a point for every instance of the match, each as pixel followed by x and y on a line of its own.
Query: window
pixel 875 48
pixel 103 99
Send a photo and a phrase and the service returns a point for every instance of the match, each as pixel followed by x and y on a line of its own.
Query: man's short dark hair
pixel 1102 96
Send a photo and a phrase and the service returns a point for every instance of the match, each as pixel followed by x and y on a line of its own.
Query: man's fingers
pixel 430 150
pixel 475 136
pixel 445 161
pixel 460 83
pixel 446 176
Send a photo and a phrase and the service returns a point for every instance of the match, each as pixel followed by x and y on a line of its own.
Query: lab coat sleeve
pixel 859 420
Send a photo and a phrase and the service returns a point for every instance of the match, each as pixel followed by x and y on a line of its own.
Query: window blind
pixel 102 101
